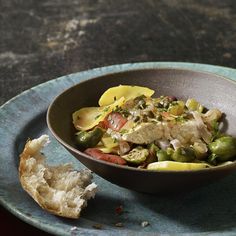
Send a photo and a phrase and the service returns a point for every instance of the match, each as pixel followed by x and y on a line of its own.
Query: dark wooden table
pixel 41 40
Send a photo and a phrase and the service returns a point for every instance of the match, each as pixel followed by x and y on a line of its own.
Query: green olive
pixel 152 148
pixel 224 148
pixel 200 150
pixel 136 156
pixel 89 139
pixel 183 154
pixel 162 155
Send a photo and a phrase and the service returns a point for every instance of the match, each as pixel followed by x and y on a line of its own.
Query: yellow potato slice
pixel 194 105
pixel 177 109
pixel 109 142
pixel 126 91
pixel 176 166
pixel 108 150
pixel 88 117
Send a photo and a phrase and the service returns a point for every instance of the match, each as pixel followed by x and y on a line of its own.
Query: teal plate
pixel 209 210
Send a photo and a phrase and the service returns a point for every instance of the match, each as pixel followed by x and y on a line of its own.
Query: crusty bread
pixel 58 189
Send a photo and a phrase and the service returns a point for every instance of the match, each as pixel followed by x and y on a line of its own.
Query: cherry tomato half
pixel 98 154
pixel 114 121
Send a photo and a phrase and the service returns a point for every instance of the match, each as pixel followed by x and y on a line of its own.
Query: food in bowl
pixel 131 127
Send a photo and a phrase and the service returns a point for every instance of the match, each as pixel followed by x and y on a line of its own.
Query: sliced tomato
pixel 98 154
pixel 114 121
pixel 102 125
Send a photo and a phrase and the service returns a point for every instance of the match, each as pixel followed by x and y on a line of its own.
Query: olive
pixel 91 138
pixel 224 148
pixel 136 156
pixel 152 149
pixel 183 154
pixel 163 156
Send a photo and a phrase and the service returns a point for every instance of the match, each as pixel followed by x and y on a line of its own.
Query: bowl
pixel 209 89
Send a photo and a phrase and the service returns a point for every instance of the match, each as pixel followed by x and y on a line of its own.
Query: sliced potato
pixel 194 105
pixel 88 117
pixel 177 109
pixel 176 166
pixel 108 150
pixel 109 142
pixel 136 156
pixel 126 91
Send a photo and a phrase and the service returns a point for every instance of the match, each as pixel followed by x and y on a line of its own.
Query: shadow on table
pixel 210 208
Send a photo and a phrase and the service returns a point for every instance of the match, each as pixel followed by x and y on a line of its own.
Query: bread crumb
pixel 74 231
pixel 97 226
pixel 119 224
pixel 145 224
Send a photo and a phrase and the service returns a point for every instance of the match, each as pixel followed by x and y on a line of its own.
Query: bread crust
pixel 59 190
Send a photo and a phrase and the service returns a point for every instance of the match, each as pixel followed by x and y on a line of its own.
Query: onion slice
pixel 204 132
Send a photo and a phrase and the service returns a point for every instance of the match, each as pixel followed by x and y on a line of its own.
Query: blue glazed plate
pixel 208 210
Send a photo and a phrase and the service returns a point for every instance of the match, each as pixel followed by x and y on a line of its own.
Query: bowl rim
pixel 94 77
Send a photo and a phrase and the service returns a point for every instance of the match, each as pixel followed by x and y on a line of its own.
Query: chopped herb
pixel 212 159
pixel 115 98
pixel 136 118
pixel 118 109
pixel 106 109
pixel 123 131
pixel 159 118
pixel 159 105
pixel 124 112
pixel 97 116
pixel 179 119
pixel 215 127
pixel 162 109
pixel 140 102
pixel 141 97
pixel 142 105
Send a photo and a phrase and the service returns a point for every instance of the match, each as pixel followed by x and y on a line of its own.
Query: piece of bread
pixel 58 189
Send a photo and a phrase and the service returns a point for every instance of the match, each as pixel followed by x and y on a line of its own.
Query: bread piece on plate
pixel 58 189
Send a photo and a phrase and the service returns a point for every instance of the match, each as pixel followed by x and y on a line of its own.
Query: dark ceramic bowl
pixel 209 89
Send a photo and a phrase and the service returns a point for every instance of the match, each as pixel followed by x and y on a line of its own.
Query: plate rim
pixel 100 71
